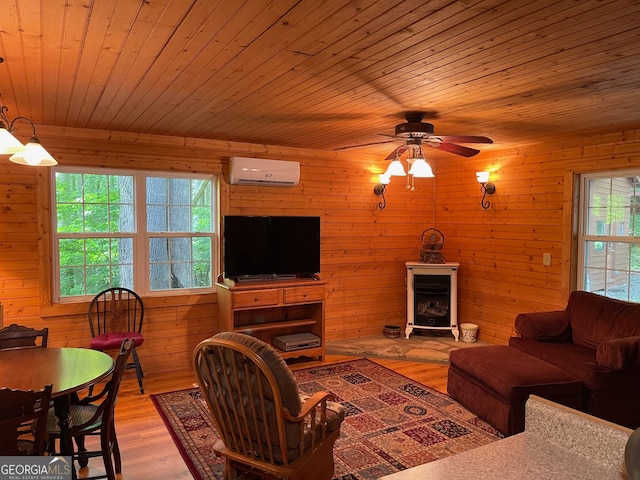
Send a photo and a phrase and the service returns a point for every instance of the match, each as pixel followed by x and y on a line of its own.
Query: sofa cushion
pixel 511 374
pixel 619 353
pixel 595 319
pixel 579 360
pixel 545 326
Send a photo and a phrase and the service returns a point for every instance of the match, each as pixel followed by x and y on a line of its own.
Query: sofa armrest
pixel 544 326
pixel 619 353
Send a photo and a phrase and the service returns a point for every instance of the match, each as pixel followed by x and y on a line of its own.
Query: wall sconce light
pixel 32 154
pixel 486 188
pixel 381 188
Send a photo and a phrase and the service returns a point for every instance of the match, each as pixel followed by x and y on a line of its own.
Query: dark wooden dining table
pixel 68 370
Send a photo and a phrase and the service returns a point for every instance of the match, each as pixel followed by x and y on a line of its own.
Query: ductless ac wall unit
pixel 259 171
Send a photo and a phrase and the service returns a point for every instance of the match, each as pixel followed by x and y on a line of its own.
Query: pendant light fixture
pixel 33 153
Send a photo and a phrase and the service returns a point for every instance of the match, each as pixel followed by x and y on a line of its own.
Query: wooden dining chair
pixel 115 314
pixel 17 409
pixel 266 428
pixel 94 415
pixel 19 336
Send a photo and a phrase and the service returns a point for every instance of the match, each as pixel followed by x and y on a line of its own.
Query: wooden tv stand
pixel 267 309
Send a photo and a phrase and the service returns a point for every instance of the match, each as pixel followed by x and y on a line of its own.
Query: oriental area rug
pixel 392 423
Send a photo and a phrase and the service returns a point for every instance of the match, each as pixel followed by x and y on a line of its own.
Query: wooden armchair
pixel 265 427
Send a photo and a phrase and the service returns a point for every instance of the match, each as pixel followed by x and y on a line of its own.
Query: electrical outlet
pixel 546 259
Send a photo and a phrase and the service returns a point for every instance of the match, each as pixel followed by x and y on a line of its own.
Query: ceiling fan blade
pixel 363 145
pixel 396 151
pixel 453 148
pixel 463 139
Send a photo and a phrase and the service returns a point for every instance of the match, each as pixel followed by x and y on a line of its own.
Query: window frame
pixel 140 235
pixel 605 239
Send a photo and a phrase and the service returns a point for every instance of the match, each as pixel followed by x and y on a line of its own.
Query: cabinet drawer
pixel 255 298
pixel 303 294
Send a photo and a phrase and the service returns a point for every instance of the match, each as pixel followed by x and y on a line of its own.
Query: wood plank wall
pixel 363 248
pixel 532 212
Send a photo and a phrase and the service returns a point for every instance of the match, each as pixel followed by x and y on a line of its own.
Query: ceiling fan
pixel 416 132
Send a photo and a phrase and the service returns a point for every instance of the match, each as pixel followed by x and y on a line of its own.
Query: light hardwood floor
pixel 148 452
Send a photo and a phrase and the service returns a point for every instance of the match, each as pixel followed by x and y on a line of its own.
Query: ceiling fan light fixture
pixel 421 169
pixel 395 169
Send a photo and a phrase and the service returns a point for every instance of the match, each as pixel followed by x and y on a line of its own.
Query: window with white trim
pixel 609 234
pixel 152 232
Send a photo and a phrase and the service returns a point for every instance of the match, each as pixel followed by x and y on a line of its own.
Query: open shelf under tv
pixel 272 308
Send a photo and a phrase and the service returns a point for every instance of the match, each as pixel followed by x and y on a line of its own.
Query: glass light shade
pixel 483 177
pixel 395 169
pixel 9 143
pixel 384 179
pixel 33 154
pixel 421 169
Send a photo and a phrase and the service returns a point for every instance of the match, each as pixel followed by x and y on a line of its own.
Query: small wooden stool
pixel 495 381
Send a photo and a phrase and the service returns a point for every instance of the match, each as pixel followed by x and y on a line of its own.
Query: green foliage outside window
pixel 98 235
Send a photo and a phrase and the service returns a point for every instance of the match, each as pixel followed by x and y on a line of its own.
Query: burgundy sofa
pixel 596 339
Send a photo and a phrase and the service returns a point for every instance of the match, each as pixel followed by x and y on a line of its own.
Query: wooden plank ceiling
pixel 323 74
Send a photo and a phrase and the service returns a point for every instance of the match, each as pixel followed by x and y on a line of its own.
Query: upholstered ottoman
pixel 495 381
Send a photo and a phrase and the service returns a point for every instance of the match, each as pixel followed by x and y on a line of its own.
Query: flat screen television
pixel 270 247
